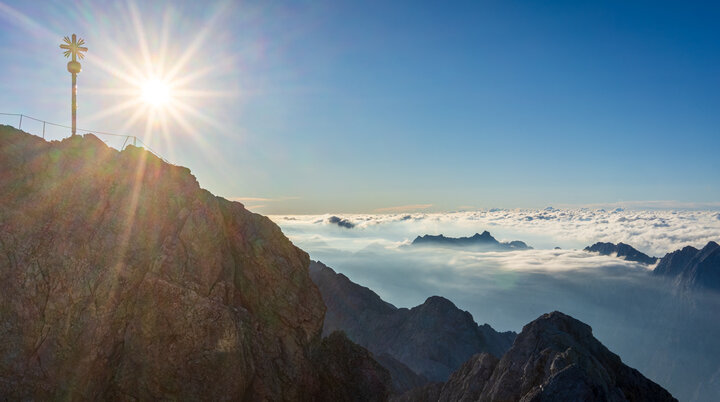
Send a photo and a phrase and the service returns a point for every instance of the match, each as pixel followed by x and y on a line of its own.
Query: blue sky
pixel 334 106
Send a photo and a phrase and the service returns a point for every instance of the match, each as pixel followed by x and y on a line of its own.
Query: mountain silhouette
pixel 691 268
pixel 484 241
pixel 623 251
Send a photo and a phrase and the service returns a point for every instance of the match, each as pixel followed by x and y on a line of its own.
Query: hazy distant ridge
pixel 483 241
pixel 688 268
pixel 622 250
pixel 692 268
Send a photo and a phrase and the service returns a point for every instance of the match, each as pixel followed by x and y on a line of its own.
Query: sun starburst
pixel 156 86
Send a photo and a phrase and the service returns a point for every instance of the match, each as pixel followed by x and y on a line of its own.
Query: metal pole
pixel 43 130
pixel 74 103
pixel 134 141
pixel 20 125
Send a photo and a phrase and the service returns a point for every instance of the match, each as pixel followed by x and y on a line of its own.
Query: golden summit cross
pixel 75 49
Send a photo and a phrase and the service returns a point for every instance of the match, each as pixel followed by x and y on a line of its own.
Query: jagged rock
pixel 432 339
pixel 691 268
pixel 466 384
pixel 484 242
pixel 347 372
pixel 427 393
pixel 121 278
pixel 623 251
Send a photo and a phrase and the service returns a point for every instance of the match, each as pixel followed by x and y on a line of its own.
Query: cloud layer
pixel 654 232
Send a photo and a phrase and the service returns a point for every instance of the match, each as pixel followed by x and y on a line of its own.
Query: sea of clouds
pixel 631 311
pixel 654 232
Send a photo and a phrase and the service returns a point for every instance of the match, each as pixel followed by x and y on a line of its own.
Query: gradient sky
pixel 333 106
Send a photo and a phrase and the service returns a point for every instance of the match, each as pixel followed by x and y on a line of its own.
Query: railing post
pixel 134 141
pixel 43 130
pixel 20 125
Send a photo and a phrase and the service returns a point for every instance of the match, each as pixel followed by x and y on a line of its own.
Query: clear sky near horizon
pixel 381 106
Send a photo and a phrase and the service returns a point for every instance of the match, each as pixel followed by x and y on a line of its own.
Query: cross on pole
pixel 75 49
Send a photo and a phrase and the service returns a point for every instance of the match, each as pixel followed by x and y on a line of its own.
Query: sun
pixel 156 92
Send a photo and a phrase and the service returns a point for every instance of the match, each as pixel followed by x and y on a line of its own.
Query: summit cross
pixel 75 49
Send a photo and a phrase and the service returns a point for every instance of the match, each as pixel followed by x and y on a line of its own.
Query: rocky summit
pixel 554 358
pixel 121 278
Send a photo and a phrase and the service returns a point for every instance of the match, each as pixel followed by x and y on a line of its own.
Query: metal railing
pixel 127 138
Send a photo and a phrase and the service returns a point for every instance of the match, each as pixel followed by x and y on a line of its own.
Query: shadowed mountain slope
pixel 432 339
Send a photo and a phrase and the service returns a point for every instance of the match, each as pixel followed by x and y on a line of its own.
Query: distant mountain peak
pixel 692 268
pixel 482 241
pixel 621 250
pixel 439 301
pixel 556 321
pixel 711 245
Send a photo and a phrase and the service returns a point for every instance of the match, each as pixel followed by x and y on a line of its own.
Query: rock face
pixel 121 278
pixel 554 358
pixel 467 383
pixel 692 268
pixel 432 339
pixel 347 372
pixel 621 250
pixel 484 242
pixel 429 392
